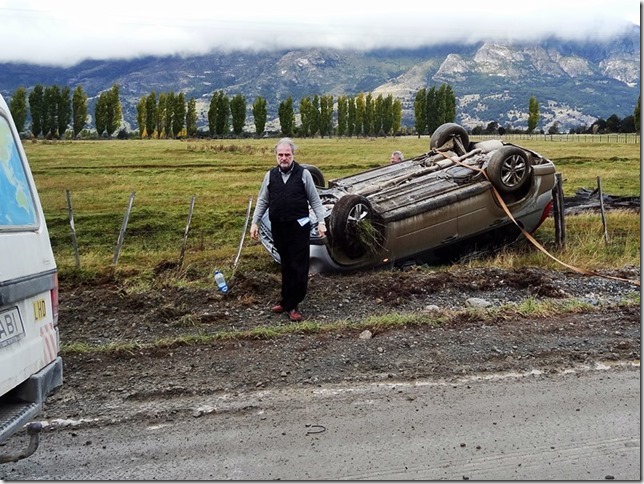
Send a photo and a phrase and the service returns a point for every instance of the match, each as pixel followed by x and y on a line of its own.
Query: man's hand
pixel 254 231
pixel 322 229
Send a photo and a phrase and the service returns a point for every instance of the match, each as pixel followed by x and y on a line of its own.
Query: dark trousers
pixel 292 243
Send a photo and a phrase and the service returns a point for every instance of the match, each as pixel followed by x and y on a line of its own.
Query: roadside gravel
pixel 449 339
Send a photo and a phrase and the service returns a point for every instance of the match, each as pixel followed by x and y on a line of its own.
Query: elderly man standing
pixel 286 191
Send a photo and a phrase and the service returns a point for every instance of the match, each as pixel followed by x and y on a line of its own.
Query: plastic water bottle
pixel 220 280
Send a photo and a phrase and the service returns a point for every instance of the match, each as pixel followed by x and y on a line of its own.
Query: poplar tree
pixel 18 108
pixel 378 115
pixel 420 111
pixel 50 111
pixel 191 117
pixel 286 117
pixel 360 113
pixel 533 114
pixel 636 115
pixel 387 109
pixel 161 115
pixel 306 107
pixel 433 113
pixel 368 115
pixel 396 116
pixel 351 116
pixel 151 114
pixel 343 113
pixel 326 115
pixel 238 113
pixel 315 116
pixel 79 110
pixel 100 113
pixel 450 104
pixel 212 115
pixel 441 105
pixel 64 111
pixel 36 100
pixel 113 113
pixel 215 114
pixel 141 115
pixel 223 113
pixel 259 115
pixel 179 115
pixel 169 114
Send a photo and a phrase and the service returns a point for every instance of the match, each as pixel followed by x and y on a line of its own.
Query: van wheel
pixel 353 226
pixel 452 133
pixel 318 177
pixel 509 169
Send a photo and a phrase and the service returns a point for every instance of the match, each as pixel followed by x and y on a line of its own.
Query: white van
pixel 30 368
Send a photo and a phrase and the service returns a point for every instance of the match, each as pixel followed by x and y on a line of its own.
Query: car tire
pixel 318 177
pixel 353 226
pixel 450 132
pixel 509 169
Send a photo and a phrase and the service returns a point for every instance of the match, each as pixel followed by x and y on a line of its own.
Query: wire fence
pixel 624 138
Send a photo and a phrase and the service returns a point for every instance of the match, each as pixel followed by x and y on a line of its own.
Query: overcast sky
pixel 64 32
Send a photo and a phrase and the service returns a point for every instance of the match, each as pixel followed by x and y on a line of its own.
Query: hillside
pixel 575 82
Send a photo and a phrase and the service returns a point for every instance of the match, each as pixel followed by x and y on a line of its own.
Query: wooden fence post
pixel 185 234
pixel 558 212
pixel 71 224
pixel 601 208
pixel 119 243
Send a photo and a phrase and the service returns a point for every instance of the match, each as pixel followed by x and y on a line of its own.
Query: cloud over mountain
pixel 66 32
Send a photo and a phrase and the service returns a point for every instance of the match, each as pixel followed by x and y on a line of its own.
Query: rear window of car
pixel 17 206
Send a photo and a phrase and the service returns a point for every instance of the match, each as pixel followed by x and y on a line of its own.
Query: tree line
pixel 433 107
pixel 53 110
pixel 169 115
pixel 56 112
pixel 166 116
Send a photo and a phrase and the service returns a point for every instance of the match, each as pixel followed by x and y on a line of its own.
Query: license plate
pixel 40 309
pixel 11 327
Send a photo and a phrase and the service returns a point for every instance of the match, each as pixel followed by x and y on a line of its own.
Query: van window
pixel 17 207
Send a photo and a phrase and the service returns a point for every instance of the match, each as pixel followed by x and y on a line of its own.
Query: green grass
pixel 223 175
pixel 585 246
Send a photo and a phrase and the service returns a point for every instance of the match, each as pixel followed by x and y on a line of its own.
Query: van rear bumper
pixel 41 384
pixel 24 403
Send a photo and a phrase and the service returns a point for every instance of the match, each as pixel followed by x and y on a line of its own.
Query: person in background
pixel 396 157
pixel 286 192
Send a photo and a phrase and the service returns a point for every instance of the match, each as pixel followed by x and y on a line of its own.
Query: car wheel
pixel 450 132
pixel 318 177
pixel 509 169
pixel 353 226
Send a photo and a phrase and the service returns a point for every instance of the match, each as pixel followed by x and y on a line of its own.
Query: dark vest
pixel 287 201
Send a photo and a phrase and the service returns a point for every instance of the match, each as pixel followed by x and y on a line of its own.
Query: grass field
pixel 223 174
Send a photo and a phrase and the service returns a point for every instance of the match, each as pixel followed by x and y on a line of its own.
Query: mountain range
pixel 575 82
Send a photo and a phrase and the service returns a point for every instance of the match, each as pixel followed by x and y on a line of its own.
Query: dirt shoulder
pixel 449 341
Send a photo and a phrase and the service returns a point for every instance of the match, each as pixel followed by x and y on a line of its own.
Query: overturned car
pixel 431 208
